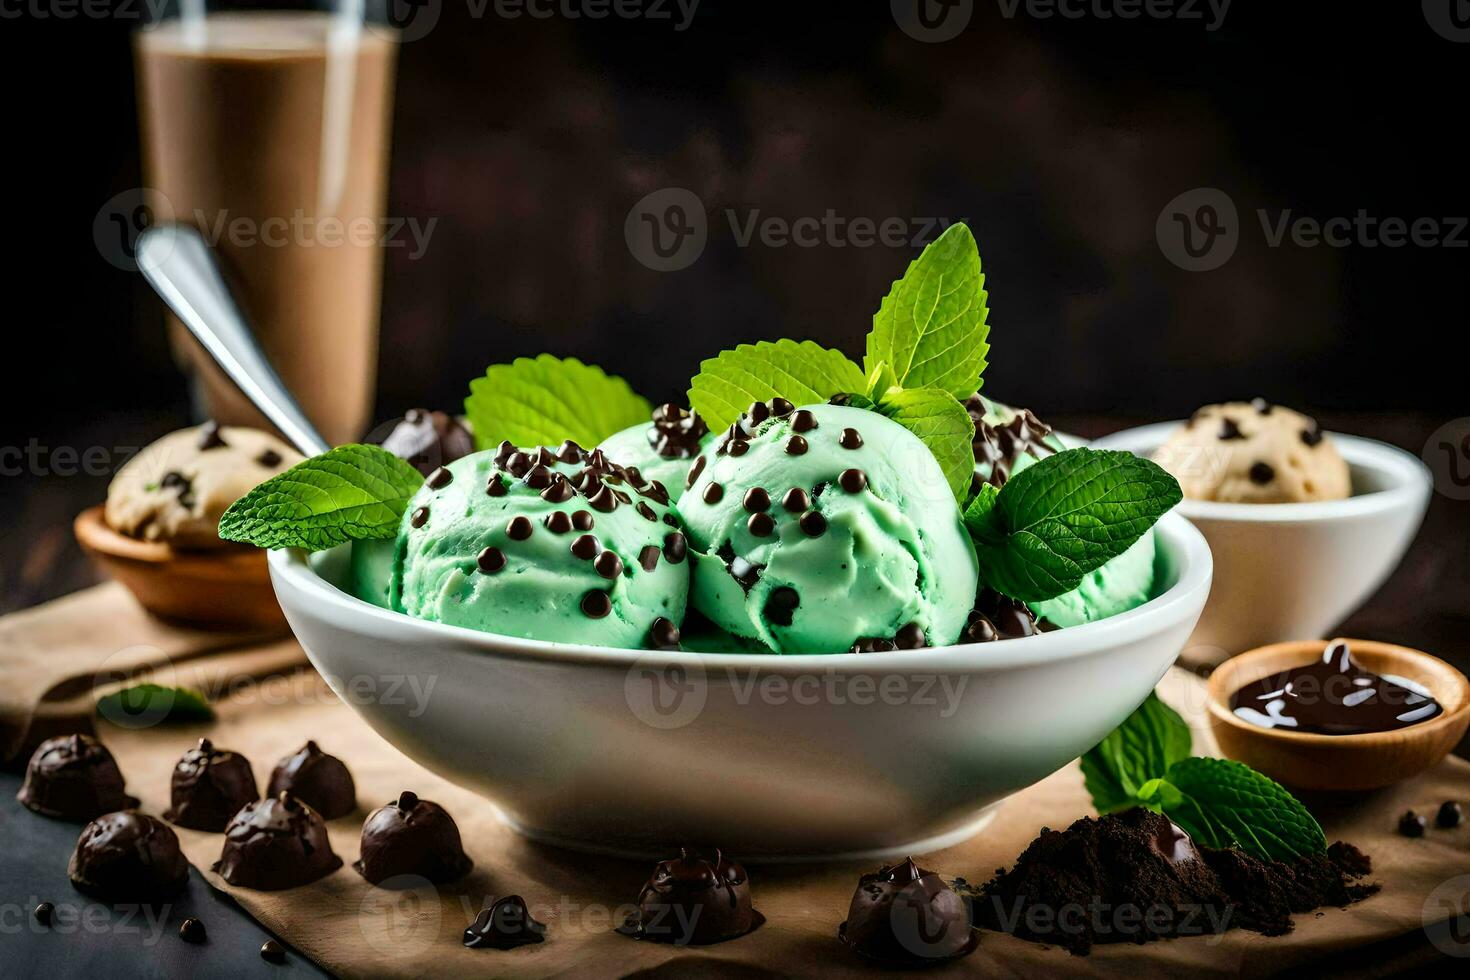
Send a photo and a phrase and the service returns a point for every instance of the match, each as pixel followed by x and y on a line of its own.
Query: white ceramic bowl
pixel 635 752
pixel 1294 571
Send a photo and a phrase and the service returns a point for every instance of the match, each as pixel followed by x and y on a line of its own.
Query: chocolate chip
pixel 758 412
pixel 608 565
pixel 663 635
pixel 656 492
pixel 853 480
pixel 781 604
pixel 407 800
pixel 737 447
pixel 796 446
pixel 1449 814
pixel 671 520
pixel 1262 473
pixel 981 630
pixel 648 557
pixel 44 912
pixel 813 524
pixel 586 547
pixel 496 486
pixel 271 952
pixel 873 644
pixel 803 421
pixel 1411 824
pixel 675 547
pixel 191 930
pixel 796 500
pixel 209 437
pixel 756 499
pixel 781 407
pixel 1229 430
pixel 539 478
pixel 646 512
pixel 269 458
pixel 761 525
pixel 558 522
pixel 582 520
pixel 911 637
pixel 570 452
pixel 1262 406
pixel 713 493
pixel 1312 436
pixel 559 492
pixel 603 499
pixel 491 560
pixel 694 472
pixel 596 604
pixel 439 479
pixel 419 517
pixel 518 464
pixel 519 528
pixel 850 439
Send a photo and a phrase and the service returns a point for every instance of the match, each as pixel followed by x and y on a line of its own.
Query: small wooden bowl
pixel 228 589
pixel 1337 763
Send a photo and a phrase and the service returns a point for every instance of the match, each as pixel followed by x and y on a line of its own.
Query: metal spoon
pixel 177 263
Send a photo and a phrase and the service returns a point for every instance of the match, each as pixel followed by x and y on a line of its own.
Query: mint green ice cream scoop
pixel 814 530
pixel 663 449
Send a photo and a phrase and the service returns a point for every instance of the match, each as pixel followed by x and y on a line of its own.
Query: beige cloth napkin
pixel 353 929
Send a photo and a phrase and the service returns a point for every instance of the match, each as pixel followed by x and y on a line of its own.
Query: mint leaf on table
pixel 345 494
pixel 802 373
pixel 1143 748
pixel 930 329
pixel 150 704
pixel 546 400
pixel 942 424
pixel 1224 803
pixel 1064 516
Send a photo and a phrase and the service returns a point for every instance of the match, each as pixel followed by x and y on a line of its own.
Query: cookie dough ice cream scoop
pixel 820 529
pixel 1254 453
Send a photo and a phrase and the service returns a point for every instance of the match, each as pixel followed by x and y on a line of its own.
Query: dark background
pixel 1060 140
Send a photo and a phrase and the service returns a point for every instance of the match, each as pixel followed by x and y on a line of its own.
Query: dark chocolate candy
pixel 428 440
pixel 504 925
pixel 275 843
pixel 906 916
pixel 128 857
pixel 321 781
pixel 412 837
pixel 698 898
pixel 209 787
pixel 73 777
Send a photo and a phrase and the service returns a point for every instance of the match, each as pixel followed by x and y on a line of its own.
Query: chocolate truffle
pixel 317 779
pixel 275 843
pixel 906 916
pixel 75 778
pixel 414 837
pixel 128 857
pixel 209 787
pixel 698 898
pixel 428 440
pixel 504 925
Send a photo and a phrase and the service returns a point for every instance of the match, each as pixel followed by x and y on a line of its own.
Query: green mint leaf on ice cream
pixel 546 400
pixel 803 373
pixel 1064 516
pixel 350 493
pixel 1141 749
pixel 930 331
pixel 942 424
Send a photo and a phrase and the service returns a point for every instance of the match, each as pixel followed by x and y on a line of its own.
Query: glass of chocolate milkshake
pixel 267 129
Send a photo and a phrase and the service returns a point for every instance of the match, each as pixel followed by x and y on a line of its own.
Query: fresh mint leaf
pixel 345 494
pixel 930 329
pixel 143 705
pixel 546 400
pixel 803 373
pixel 881 380
pixel 1224 803
pixel 1142 749
pixel 941 423
pixel 854 399
pixel 1064 516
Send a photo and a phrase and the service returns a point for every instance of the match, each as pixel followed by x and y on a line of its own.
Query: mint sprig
pixel 142 705
pixel 1064 516
pixel 930 330
pixel 346 494
pixel 1219 802
pixel 941 423
pixel 545 400
pixel 802 373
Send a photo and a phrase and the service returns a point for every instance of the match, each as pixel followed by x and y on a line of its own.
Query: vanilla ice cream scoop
pixel 1256 453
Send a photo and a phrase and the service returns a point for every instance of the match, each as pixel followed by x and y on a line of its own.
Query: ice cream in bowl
pixel 825 609
pixel 1304 524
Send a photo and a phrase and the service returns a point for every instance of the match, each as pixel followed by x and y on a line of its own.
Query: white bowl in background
pixel 1294 571
pixel 768 756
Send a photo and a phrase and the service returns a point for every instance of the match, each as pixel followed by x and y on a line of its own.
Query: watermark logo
pixel 1198 230
pixel 123 218
pixel 408 20
pixel 1179 10
pixel 665 694
pixel 1450 19
pixel 932 21
pixel 1446 917
pixel 667 229
pixel 401 915
pixel 1447 454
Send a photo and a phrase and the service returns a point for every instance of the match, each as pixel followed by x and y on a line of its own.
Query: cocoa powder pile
pixel 1135 877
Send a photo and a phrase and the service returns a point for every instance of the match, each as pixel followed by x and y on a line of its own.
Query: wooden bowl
pixel 1336 763
pixel 225 589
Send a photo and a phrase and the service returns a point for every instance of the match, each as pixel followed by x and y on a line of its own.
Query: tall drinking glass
pixel 267 128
